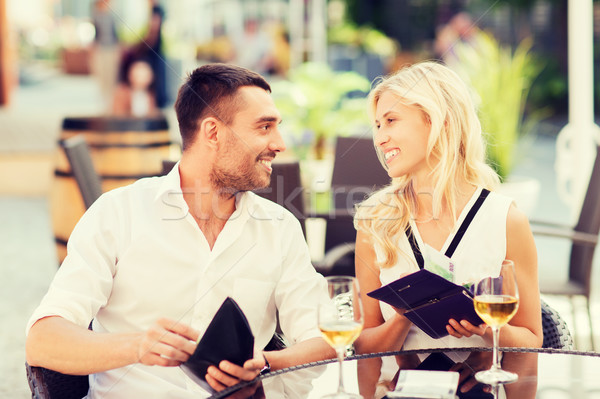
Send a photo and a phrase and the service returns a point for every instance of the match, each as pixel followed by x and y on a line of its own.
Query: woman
pixel 134 96
pixel 429 139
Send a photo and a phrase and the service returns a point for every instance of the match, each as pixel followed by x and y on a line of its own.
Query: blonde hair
pixel 456 151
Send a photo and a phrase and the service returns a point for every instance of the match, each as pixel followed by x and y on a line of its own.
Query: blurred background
pixel 64 63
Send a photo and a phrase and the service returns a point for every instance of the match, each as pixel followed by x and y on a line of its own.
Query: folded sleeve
pixel 83 283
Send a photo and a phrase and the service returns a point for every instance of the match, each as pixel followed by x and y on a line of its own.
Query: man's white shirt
pixel 138 255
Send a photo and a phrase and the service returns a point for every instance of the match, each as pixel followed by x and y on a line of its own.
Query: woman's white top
pixel 479 254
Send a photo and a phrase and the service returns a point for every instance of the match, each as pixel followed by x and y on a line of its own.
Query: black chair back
pixel 167 165
pixel 356 171
pixel 582 255
pixel 82 167
pixel 286 189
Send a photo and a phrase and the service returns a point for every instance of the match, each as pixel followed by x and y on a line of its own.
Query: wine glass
pixel 340 318
pixel 496 302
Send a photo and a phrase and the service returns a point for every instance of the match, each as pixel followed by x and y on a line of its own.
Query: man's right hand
pixel 167 343
pixel 58 344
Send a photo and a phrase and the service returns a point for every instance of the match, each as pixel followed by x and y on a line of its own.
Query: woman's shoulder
pixel 498 202
pixel 506 208
pixel 516 220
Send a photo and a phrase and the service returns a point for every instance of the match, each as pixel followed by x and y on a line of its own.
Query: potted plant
pixel 317 104
pixel 502 79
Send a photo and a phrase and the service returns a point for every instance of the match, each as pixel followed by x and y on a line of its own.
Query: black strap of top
pixel 459 234
pixel 465 224
pixel 415 246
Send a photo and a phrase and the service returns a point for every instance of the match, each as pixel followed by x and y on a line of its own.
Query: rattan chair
pixel 556 331
pixel 49 384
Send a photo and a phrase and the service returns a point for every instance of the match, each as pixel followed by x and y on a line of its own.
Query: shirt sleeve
pixel 298 291
pixel 83 282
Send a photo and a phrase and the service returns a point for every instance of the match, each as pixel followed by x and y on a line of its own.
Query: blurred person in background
pixel 254 50
pixel 155 53
pixel 134 95
pixel 106 50
pixel 459 29
pixel 150 50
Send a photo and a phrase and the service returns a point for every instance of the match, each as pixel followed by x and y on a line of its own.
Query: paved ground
pixel 28 132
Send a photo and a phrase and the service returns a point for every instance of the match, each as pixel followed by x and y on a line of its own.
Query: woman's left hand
pixel 464 328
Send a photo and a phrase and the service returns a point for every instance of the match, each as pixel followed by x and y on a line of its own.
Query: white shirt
pixel 138 255
pixel 479 254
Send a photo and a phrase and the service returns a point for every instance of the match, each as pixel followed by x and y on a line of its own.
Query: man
pixel 152 262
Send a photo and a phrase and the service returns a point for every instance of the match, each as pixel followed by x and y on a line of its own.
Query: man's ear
pixel 209 129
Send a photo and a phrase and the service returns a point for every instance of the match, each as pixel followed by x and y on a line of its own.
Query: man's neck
pixel 210 210
pixel 210 207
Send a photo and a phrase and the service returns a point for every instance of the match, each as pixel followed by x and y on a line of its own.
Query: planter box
pixel 76 61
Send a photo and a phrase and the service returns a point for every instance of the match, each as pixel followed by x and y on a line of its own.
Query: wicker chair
pixel 49 384
pixel 556 331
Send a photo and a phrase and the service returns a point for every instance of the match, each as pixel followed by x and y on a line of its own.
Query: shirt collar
pixel 171 184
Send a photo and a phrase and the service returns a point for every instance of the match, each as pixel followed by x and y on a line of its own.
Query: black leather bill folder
pixel 228 337
pixel 430 301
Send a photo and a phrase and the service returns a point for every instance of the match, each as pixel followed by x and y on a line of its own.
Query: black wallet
pixel 228 337
pixel 430 301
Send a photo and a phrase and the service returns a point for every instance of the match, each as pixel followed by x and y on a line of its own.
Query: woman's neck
pixel 430 208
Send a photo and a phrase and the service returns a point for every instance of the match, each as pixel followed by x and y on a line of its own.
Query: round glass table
pixel 543 373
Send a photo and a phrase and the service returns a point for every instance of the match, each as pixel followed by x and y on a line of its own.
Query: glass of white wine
pixel 496 302
pixel 340 317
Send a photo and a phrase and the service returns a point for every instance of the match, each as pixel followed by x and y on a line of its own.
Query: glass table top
pixel 543 373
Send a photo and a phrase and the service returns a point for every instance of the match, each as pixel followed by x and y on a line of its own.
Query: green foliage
pixel 502 79
pixel 130 36
pixel 550 88
pixel 365 37
pixel 315 98
pixel 520 4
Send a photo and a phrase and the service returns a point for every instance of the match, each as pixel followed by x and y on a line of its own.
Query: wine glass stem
pixel 340 355
pixel 495 359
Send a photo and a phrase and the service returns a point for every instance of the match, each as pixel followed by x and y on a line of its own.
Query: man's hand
pixel 228 374
pixel 167 343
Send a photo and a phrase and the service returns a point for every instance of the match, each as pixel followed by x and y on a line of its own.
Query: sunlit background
pixel 321 58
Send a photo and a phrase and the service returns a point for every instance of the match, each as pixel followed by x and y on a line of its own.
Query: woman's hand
pixel 465 329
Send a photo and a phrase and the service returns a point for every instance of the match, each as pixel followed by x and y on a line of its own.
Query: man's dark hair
pixel 211 90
